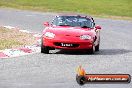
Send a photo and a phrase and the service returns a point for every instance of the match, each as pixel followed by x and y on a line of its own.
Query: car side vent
pixel 67 35
pixel 77 36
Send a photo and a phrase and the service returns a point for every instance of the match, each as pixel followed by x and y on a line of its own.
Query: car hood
pixel 71 31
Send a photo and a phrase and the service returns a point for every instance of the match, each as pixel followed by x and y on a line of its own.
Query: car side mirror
pixel 98 27
pixel 46 24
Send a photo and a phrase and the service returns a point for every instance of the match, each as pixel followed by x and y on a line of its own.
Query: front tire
pixel 44 49
pixel 92 50
pixel 97 48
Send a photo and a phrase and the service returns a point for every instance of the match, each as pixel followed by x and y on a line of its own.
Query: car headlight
pixel 49 35
pixel 85 37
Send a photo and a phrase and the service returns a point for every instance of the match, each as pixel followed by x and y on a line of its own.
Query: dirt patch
pixel 14 38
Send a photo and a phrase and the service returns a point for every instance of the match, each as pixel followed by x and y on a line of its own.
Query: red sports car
pixel 72 32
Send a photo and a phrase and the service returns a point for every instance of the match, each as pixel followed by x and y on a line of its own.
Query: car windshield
pixel 74 21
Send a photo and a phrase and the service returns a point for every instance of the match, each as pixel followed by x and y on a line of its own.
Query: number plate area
pixel 66 45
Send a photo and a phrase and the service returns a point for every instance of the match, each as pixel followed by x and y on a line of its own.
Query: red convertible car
pixel 72 32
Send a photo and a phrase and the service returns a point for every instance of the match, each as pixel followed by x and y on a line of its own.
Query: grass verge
pixel 14 38
pixel 103 8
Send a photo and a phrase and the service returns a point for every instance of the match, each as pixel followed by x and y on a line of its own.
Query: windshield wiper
pixel 64 25
pixel 85 27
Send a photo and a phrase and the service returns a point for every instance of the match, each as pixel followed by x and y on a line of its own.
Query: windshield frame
pixel 74 23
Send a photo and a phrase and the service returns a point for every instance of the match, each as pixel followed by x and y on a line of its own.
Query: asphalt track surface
pixel 58 70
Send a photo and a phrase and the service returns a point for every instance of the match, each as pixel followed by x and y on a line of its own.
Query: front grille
pixel 60 44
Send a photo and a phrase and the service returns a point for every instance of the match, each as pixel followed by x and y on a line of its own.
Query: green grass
pixel 14 39
pixel 5 44
pixel 92 7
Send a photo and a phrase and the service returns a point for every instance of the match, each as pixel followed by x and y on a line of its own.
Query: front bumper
pixel 76 42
